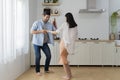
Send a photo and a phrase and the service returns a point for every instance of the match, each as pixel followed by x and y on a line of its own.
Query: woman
pixel 69 33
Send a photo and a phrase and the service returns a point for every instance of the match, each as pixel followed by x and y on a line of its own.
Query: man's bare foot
pixel 38 74
pixel 49 72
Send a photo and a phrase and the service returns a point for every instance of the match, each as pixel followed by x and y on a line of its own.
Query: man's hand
pixel 43 31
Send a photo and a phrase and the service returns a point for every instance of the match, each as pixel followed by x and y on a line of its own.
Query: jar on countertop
pixel 112 36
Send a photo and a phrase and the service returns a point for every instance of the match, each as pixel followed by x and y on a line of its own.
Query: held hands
pixel 52 32
pixel 47 31
pixel 39 31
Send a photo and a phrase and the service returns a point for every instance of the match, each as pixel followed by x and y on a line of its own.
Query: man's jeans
pixel 45 48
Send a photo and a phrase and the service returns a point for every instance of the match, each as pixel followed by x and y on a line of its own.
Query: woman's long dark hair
pixel 70 20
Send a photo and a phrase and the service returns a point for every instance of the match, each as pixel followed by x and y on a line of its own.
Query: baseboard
pixel 82 65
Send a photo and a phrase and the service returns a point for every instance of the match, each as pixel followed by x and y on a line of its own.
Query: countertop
pixel 95 41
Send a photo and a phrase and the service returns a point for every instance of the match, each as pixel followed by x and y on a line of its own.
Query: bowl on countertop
pixel 82 38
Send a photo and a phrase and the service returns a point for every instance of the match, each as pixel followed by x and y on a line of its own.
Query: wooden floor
pixel 79 73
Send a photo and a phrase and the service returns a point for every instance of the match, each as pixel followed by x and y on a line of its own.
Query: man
pixel 41 39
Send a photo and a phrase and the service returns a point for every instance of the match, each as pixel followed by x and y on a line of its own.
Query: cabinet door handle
pixel 116 50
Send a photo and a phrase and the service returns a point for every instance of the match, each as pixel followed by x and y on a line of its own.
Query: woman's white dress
pixel 69 36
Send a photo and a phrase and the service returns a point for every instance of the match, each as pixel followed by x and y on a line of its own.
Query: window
pixel 14 29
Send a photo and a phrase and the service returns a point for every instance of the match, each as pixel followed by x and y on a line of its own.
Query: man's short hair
pixel 46 11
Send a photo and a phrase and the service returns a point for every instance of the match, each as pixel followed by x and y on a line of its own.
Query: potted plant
pixel 113 25
pixel 55 1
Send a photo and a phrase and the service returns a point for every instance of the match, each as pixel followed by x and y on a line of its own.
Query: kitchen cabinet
pixel 86 53
pixel 94 53
pixel 108 53
pixel 95 50
pixel 81 56
pixel 55 53
pixel 32 55
pixel 117 56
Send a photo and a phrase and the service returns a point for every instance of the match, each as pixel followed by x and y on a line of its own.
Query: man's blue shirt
pixel 38 39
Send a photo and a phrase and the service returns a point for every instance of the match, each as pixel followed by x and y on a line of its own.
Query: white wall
pixel 32 13
pixel 89 25
pixel 95 25
pixel 12 70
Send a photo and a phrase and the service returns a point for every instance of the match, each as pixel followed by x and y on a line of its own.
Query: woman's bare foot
pixel 67 77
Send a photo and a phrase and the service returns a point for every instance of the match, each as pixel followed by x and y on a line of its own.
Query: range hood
pixel 91 8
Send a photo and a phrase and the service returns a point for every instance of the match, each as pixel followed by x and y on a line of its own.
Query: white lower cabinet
pixel 117 56
pixel 55 52
pixel 86 53
pixel 32 55
pixel 95 53
pixel 108 53
pixel 81 56
pixel 95 49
